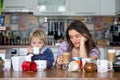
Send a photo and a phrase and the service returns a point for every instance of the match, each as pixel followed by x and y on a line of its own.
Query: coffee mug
pixel 29 66
pixel 41 64
pixel 73 66
pixel 78 60
pixel 104 66
pixel 7 65
pixel 36 50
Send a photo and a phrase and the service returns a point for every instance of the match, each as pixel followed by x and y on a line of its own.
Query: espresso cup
pixel 104 66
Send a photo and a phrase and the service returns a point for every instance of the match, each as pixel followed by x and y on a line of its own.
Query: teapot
pixel 90 67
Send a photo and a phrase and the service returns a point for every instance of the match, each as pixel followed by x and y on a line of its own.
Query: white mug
pixel 36 50
pixel 7 65
pixel 73 66
pixel 104 66
pixel 41 64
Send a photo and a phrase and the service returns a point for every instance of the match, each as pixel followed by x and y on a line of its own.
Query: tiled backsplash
pixel 22 23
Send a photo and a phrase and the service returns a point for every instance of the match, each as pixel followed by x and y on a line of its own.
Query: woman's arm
pixel 83 51
pixel 63 48
pixel 95 53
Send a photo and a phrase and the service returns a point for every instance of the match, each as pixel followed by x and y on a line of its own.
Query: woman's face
pixel 75 37
pixel 36 42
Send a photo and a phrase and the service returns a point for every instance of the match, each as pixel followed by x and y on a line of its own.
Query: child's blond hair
pixel 38 34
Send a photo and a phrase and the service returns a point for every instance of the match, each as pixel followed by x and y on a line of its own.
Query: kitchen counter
pixel 51 46
pixel 57 74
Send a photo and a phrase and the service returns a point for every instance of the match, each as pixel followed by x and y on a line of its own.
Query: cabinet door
pixel 51 7
pixel 18 6
pixel 84 7
pixel 107 7
pixel 117 7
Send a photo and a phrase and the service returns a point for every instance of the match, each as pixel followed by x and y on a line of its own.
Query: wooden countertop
pixel 56 74
pixel 51 46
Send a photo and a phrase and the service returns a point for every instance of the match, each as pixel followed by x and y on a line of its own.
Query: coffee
pixel 66 57
pixel 111 55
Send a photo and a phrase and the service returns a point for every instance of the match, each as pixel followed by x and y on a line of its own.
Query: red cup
pixel 29 66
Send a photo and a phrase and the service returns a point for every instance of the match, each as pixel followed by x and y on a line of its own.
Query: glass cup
pixel 66 59
pixel 111 55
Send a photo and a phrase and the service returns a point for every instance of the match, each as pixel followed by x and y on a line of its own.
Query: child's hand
pixel 60 59
pixel 30 51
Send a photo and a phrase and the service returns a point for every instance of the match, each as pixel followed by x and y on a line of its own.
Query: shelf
pixel 2 28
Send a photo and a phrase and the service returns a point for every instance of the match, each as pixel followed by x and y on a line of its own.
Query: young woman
pixel 39 39
pixel 79 42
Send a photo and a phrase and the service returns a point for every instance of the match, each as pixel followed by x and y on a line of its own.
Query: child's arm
pixel 49 58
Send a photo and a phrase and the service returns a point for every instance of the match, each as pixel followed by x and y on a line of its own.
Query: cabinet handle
pixel 51 12
pixel 21 7
pixel 85 13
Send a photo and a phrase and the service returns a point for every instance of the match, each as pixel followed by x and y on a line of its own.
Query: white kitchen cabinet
pixel 117 7
pixel 51 7
pixel 107 7
pixel 84 7
pixel 18 6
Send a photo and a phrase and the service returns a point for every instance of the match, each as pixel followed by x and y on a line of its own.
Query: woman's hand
pixel 60 60
pixel 83 38
pixel 30 51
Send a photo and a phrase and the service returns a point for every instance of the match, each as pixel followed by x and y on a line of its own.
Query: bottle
pixel 5 38
pixel 115 25
pixel 9 34
pixel 18 40
pixel 1 38
pixel 11 38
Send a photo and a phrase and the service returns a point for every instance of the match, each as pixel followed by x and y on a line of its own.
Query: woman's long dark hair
pixel 82 29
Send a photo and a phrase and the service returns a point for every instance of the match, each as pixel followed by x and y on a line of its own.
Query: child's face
pixel 36 42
